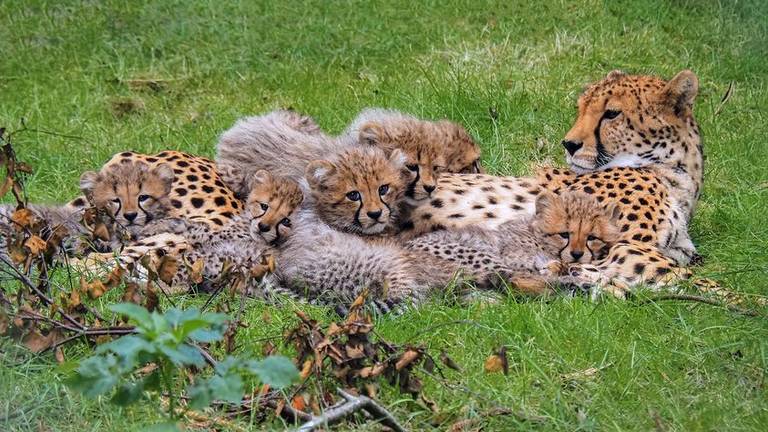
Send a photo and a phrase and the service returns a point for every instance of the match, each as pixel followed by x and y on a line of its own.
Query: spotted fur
pixel 635 145
pixel 197 192
pixel 569 228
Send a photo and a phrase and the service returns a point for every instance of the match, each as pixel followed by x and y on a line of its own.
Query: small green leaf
pixel 183 355
pixel 95 376
pixel 135 312
pixel 128 393
pixel 206 336
pixel 277 371
pixel 128 346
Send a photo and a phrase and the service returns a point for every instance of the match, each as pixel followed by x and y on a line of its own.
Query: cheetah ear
pixel 259 178
pixel 318 171
pixel 165 174
pixel 544 201
pixel 88 182
pixel 372 134
pixel 681 90
pixel 615 74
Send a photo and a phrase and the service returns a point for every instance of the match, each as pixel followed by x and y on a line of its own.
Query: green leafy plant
pixel 167 343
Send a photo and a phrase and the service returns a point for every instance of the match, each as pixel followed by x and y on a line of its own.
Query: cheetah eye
pixel 143 198
pixel 286 222
pixel 611 114
pixel 564 235
pixel 353 196
pixel 264 206
pixel 383 189
pixel 591 238
pixel 412 167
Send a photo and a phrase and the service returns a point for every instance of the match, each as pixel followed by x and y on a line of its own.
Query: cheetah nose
pixel 264 227
pixel 375 215
pixel 130 217
pixel 572 146
pixel 576 254
pixel 429 188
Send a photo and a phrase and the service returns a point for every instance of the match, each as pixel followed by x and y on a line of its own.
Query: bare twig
pixel 47 300
pixel 351 405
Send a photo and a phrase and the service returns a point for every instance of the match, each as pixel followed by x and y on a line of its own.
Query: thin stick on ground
pixel 351 405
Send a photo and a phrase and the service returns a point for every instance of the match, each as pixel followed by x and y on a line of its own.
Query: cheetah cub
pixel 242 244
pixel 565 229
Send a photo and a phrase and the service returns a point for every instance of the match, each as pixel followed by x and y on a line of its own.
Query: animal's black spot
pixel 456 216
pixel 490 215
pixel 197 202
pixel 181 191
pixel 182 164
pixel 625 228
pixel 639 268
pixel 217 221
pixel 426 216
pixel 478 207
pixel 632 217
pixel 219 201
pixel 459 191
pixel 78 202
pixel 176 204
pixel 492 200
pixel 192 178
pixel 589 190
pixel 207 189
pixel 437 203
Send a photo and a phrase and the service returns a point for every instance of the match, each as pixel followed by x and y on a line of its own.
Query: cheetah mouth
pixel 579 168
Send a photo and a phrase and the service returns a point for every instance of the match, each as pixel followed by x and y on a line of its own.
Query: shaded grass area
pixel 149 76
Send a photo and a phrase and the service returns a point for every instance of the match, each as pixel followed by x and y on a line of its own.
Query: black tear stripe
pixel 411 190
pixel 560 253
pixel 147 217
pixel 387 206
pixel 603 157
pixel 357 213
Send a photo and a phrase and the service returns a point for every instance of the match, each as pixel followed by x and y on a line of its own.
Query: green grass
pixel 684 367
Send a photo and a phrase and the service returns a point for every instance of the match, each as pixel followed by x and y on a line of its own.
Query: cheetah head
pixel 574 227
pixel 271 202
pixel 131 192
pixel 360 190
pixel 430 148
pixel 634 121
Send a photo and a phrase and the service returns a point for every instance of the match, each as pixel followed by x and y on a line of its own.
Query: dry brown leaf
pixel 152 300
pixel 23 218
pixel 115 278
pixel 132 293
pixel 17 254
pixel 354 351
pixel 35 245
pixel 306 369
pixel 167 269
pixel 449 361
pixel 299 403
pixel 96 289
pixel 59 355
pixel 196 271
pixel 37 343
pixel 493 364
pixel 7 185
pixel 408 357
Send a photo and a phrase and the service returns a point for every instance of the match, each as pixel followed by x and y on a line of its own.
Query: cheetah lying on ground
pixel 635 145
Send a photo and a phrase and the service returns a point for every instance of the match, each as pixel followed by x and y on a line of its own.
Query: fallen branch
pixel 351 405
